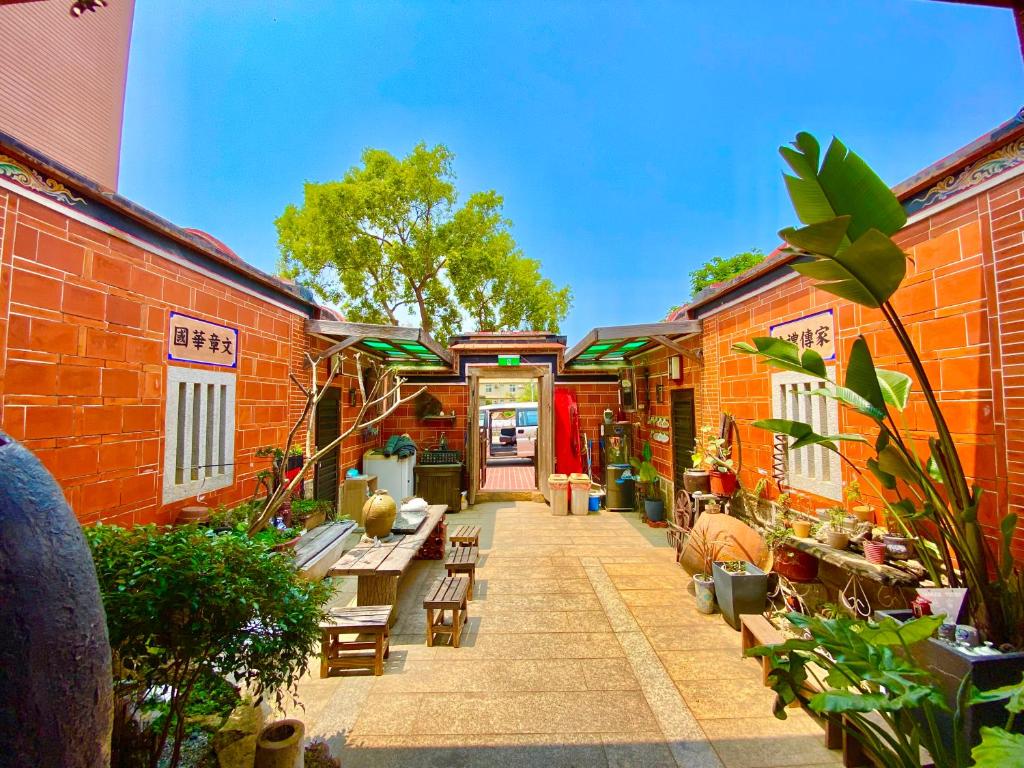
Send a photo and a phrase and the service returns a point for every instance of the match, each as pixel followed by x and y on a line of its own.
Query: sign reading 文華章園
pixel 192 340
pixel 817 332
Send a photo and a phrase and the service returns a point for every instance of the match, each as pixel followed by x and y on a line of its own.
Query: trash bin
pixel 580 487
pixel 559 485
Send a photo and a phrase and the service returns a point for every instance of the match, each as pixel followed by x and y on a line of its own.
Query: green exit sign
pixel 508 360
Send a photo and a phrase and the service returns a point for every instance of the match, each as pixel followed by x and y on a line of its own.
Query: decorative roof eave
pixel 357 334
pixel 629 341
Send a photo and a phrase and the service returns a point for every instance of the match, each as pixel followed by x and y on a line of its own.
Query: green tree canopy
pixel 718 269
pixel 390 240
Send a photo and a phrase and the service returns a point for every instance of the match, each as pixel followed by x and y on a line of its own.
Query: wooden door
pixel 683 432
pixel 544 455
pixel 328 426
pixel 474 460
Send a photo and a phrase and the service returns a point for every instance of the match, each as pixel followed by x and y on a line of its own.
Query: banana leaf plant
pixel 865 672
pixel 846 247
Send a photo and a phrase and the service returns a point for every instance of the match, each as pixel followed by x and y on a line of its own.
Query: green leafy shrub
pixel 303 509
pixel 185 603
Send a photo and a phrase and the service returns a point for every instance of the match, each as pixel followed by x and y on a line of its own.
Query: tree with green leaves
pixel 720 269
pixel 390 240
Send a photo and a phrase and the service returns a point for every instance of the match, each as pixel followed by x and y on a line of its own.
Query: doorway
pixel 509 444
pixel 328 426
pixel 683 433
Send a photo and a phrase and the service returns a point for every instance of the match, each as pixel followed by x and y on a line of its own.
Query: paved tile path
pixel 584 649
pixel 517 477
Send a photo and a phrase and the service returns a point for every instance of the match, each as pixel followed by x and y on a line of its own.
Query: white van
pixel 511 421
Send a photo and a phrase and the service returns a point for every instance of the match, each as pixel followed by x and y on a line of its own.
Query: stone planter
pixel 281 745
pixel 740 593
pixel 950 666
pixel 697 481
pixel 704 589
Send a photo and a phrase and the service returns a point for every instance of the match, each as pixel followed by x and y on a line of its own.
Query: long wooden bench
pixel 318 550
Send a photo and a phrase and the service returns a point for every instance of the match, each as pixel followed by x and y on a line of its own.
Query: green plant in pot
pixel 837 535
pixel 697 479
pixel 863 512
pixel 846 248
pixel 310 513
pixel 740 587
pixel 714 455
pixel 707 551
pixel 647 482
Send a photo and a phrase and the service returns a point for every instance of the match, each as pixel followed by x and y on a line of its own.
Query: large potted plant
pixel 714 455
pixel 846 247
pixel 707 550
pixel 697 479
pixel 647 483
pixel 740 587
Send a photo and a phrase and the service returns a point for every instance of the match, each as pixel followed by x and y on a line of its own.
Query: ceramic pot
pixel 704 589
pixel 801 528
pixel 723 483
pixel 865 513
pixel 837 539
pixel 379 513
pixel 697 481
pixel 654 510
pixel 795 564
pixel 195 514
pixel 874 551
pixel 281 745
pixel 898 547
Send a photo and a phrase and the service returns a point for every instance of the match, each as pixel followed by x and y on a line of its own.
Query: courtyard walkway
pixel 584 649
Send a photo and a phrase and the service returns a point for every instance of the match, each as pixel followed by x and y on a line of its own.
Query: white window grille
pixel 199 432
pixel 814 468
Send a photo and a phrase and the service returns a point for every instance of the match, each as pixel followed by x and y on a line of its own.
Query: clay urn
pixel 379 513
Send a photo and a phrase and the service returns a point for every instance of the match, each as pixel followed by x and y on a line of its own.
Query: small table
pixel 465 536
pixel 447 594
pixel 379 567
pixel 462 560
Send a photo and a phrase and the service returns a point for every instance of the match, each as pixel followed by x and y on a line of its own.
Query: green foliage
pixel 390 239
pixel 303 509
pixel 720 269
pixel 846 248
pixel 647 475
pixel 185 603
pixel 711 452
pixel 999 749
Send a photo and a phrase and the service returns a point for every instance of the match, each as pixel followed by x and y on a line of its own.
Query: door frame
pixel 545 420
pixel 675 395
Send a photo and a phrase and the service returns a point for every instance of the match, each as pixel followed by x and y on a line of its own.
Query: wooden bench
pixel 465 536
pixel 756 630
pixel 318 550
pixel 447 594
pixel 462 560
pixel 370 626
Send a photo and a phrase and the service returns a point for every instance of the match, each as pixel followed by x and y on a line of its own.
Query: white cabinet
pixel 394 475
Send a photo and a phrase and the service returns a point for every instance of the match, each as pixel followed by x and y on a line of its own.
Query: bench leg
pixel 833 732
pixel 472 581
pixel 387 642
pixel 430 627
pixel 853 752
pixel 378 654
pixel 457 626
pixel 379 590
pixel 325 647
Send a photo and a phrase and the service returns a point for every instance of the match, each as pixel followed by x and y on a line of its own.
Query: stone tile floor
pixel 583 649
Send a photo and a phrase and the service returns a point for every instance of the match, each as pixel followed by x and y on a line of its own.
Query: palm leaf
pixel 786 355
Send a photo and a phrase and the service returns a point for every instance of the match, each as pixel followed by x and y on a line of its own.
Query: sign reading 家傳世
pixel 817 332
pixel 198 341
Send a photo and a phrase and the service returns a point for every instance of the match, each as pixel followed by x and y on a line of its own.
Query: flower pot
pixel 704 589
pixel 801 528
pixel 874 551
pixel 315 520
pixel 723 483
pixel 740 593
pixel 865 513
pixel 898 547
pixel 281 745
pixel 654 510
pixel 195 514
pixel 286 546
pixel 294 462
pixel 795 564
pixel 837 539
pixel 950 666
pixel 697 481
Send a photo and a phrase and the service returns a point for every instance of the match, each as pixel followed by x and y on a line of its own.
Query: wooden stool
pixel 465 536
pixel 370 625
pixel 447 594
pixel 463 560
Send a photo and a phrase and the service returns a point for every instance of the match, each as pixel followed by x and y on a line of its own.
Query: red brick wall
pixel 427 434
pixel 83 368
pixel 952 308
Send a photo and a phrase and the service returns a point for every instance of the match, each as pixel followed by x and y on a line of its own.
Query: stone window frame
pixel 210 432
pixel 813 469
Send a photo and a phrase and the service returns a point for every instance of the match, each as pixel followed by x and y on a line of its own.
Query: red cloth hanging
pixel 568 450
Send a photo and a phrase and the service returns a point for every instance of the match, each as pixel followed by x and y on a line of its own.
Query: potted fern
pixel 647 483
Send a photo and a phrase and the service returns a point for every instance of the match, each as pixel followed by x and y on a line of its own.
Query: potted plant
pixel 847 249
pixel 309 513
pixel 788 561
pixel 875 548
pixel 715 455
pixel 836 534
pixel 697 479
pixel 863 512
pixel 707 551
pixel 740 587
pixel 647 484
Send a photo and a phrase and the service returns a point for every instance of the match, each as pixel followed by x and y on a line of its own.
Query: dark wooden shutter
pixel 328 425
pixel 683 432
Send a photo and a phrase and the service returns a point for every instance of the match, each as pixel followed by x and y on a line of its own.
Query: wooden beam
pixel 361 331
pixel 678 348
pixel 627 332
pixel 581 346
pixel 341 346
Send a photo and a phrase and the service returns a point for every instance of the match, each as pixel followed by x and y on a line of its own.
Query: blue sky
pixel 631 141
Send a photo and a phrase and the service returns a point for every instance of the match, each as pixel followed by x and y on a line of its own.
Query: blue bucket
pixel 594 503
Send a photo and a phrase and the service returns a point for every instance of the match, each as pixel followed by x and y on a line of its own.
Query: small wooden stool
pixel 463 560
pixel 447 594
pixel 370 625
pixel 465 536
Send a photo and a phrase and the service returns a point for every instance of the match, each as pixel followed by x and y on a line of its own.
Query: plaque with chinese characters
pixel 817 332
pixel 200 341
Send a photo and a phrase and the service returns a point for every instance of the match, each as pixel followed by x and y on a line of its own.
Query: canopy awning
pixel 616 345
pixel 394 344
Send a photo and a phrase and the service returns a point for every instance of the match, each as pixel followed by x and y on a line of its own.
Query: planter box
pixel 739 593
pixel 950 666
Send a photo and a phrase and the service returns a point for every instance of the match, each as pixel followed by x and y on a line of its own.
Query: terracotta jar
pixel 379 513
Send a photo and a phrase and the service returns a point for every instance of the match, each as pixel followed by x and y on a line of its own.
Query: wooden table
pixel 379 567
